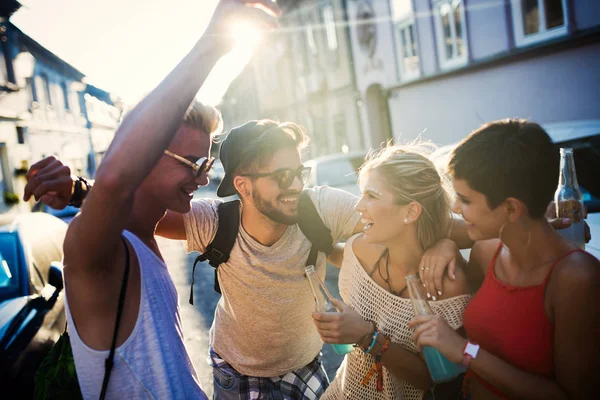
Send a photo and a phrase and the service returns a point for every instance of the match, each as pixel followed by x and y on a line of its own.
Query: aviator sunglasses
pixel 203 164
pixel 285 176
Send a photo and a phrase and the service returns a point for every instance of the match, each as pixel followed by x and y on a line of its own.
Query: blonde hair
pixel 204 117
pixel 411 176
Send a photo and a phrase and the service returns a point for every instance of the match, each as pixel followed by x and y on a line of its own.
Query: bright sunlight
pixel 247 38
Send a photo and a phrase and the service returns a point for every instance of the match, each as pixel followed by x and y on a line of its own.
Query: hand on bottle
pixel 434 331
pixel 561 223
pixel 344 326
pixel 50 182
pixel 262 14
pixel 434 262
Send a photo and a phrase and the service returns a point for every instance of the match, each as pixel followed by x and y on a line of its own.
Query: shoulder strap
pixel 108 363
pixel 217 252
pixel 313 228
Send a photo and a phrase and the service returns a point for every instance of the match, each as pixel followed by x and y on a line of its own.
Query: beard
pixel 268 209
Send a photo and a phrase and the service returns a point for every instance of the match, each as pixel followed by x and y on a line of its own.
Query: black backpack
pixel 217 252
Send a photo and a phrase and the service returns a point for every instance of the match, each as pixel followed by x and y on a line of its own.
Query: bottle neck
pixel 417 296
pixel 320 293
pixel 568 176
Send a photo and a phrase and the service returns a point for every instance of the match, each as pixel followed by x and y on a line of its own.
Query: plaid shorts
pixel 306 383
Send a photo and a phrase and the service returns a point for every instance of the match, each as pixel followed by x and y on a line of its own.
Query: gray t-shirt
pixel 263 324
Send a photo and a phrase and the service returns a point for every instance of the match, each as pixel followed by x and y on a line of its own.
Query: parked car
pixel 336 170
pixel 32 311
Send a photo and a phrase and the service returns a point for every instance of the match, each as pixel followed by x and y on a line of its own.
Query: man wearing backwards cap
pixel 262 338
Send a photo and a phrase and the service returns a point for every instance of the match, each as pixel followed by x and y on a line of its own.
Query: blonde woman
pixel 405 209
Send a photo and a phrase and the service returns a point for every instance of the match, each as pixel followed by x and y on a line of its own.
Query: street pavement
pixel 197 318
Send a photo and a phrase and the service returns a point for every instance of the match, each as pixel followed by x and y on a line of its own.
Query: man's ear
pixel 242 185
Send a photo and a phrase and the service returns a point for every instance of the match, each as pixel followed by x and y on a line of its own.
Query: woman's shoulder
pixel 575 271
pixel 366 253
pixel 483 252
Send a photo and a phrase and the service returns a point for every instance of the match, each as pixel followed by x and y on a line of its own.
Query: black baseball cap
pixel 233 149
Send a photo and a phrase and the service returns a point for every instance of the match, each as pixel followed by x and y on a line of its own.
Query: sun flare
pixel 229 67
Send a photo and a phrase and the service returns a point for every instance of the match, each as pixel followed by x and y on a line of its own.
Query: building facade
pixel 447 66
pixel 303 74
pixel 45 109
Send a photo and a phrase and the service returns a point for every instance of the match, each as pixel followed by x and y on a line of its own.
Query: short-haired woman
pixel 534 325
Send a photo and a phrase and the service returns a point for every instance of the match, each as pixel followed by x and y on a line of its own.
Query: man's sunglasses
pixel 285 176
pixel 203 164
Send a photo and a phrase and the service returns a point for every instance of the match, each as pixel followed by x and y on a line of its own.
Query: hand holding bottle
pixel 343 326
pixel 434 331
pixel 562 223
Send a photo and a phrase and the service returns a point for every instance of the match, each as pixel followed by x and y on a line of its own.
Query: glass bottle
pixel 323 303
pixel 569 200
pixel 440 368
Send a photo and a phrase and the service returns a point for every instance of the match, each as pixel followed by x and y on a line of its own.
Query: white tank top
pixel 153 362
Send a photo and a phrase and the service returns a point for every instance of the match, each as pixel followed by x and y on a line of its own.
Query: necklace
pixel 387 272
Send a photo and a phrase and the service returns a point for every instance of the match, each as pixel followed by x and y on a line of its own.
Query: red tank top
pixel 511 323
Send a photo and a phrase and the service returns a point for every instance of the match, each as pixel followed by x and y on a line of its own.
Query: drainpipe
pixel 352 70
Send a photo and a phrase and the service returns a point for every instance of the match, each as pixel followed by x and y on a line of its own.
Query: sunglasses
pixel 203 164
pixel 285 176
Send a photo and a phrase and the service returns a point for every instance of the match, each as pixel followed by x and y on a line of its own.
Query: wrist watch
pixel 469 352
pixel 78 192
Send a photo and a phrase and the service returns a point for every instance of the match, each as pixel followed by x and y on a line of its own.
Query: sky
pixel 125 46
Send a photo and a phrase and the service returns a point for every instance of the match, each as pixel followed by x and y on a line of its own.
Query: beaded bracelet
pixel 368 350
pixel 367 336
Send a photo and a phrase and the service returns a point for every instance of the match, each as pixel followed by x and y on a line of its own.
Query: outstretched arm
pixel 145 132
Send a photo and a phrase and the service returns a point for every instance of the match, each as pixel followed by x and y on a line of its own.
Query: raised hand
pixel 50 182
pixel 262 14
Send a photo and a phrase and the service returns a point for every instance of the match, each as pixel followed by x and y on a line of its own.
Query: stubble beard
pixel 269 210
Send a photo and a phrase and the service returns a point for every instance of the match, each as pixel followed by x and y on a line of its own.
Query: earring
pixel 528 239
pixel 500 233
pixel 405 220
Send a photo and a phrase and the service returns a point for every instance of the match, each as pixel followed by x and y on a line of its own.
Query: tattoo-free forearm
pixel 337 255
pixel 514 382
pixel 407 366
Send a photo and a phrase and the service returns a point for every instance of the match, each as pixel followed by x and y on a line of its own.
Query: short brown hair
pixel 509 158
pixel 274 136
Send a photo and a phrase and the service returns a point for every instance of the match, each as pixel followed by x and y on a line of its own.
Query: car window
pixel 339 172
pixel 9 271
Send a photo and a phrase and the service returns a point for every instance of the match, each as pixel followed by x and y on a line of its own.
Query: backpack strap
pixel 217 252
pixel 108 363
pixel 313 228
